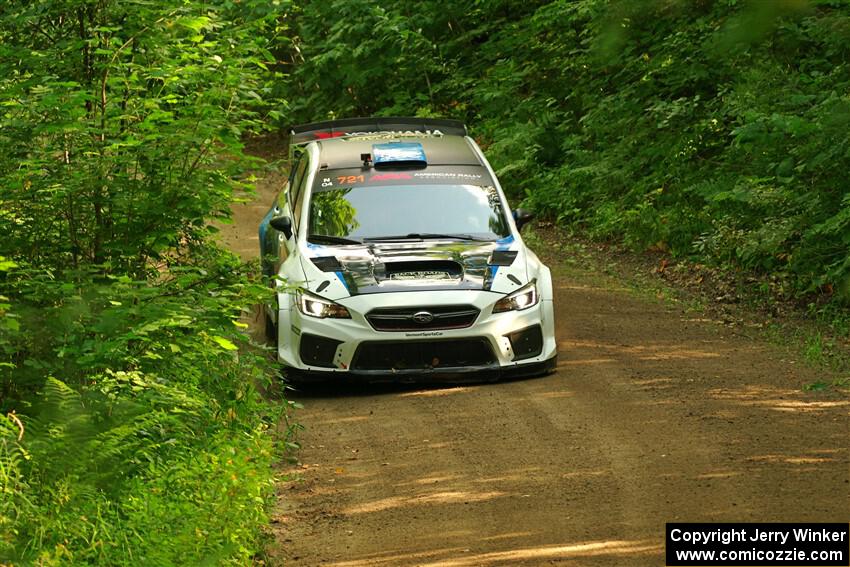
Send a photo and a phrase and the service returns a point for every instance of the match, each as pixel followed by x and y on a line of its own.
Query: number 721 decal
pixel 350 179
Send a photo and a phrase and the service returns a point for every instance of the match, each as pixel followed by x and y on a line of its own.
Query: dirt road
pixel 653 416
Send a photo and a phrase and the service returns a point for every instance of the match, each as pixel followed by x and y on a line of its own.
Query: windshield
pixel 407 211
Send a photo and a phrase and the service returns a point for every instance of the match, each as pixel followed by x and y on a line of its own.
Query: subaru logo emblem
pixel 423 317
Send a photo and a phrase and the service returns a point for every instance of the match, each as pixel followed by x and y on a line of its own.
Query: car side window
pixel 298 187
pixel 282 197
pixel 287 195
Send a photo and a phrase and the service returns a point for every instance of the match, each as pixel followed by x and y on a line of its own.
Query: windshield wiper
pixel 328 239
pixel 427 236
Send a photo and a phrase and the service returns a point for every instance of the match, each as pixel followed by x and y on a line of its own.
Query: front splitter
pixel 455 375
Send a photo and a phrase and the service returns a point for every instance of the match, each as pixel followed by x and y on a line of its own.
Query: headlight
pixel 315 306
pixel 522 298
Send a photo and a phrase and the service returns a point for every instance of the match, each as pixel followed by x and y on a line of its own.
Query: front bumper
pixel 495 346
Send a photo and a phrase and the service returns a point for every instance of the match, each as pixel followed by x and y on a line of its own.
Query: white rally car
pixel 397 258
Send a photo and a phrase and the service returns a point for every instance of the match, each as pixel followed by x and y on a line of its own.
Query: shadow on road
pixel 341 389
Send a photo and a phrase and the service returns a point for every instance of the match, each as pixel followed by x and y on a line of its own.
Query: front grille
pixel 318 351
pixel 422 355
pixel 417 318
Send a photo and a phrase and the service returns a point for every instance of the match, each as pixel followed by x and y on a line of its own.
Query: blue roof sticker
pixel 398 152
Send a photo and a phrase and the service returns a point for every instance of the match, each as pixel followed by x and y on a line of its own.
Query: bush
pixel 139 434
pixel 132 430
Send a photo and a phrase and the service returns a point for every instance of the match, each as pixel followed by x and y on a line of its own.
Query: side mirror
pixel 283 224
pixel 522 217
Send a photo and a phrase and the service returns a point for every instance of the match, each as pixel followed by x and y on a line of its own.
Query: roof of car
pixel 340 153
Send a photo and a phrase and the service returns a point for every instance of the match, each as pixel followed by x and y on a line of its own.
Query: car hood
pixel 413 266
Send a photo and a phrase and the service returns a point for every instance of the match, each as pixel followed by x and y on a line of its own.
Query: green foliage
pixel 123 123
pixel 132 430
pixel 140 421
pixel 708 128
pixel 333 214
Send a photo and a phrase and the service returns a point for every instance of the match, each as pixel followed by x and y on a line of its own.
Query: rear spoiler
pixel 400 126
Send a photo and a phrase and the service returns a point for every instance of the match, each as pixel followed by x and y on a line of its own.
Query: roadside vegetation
pixel 132 431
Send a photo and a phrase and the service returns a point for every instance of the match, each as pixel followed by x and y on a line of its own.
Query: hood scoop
pixel 421 270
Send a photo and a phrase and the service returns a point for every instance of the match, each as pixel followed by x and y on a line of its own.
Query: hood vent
pixel 502 257
pixel 423 270
pixel 327 263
